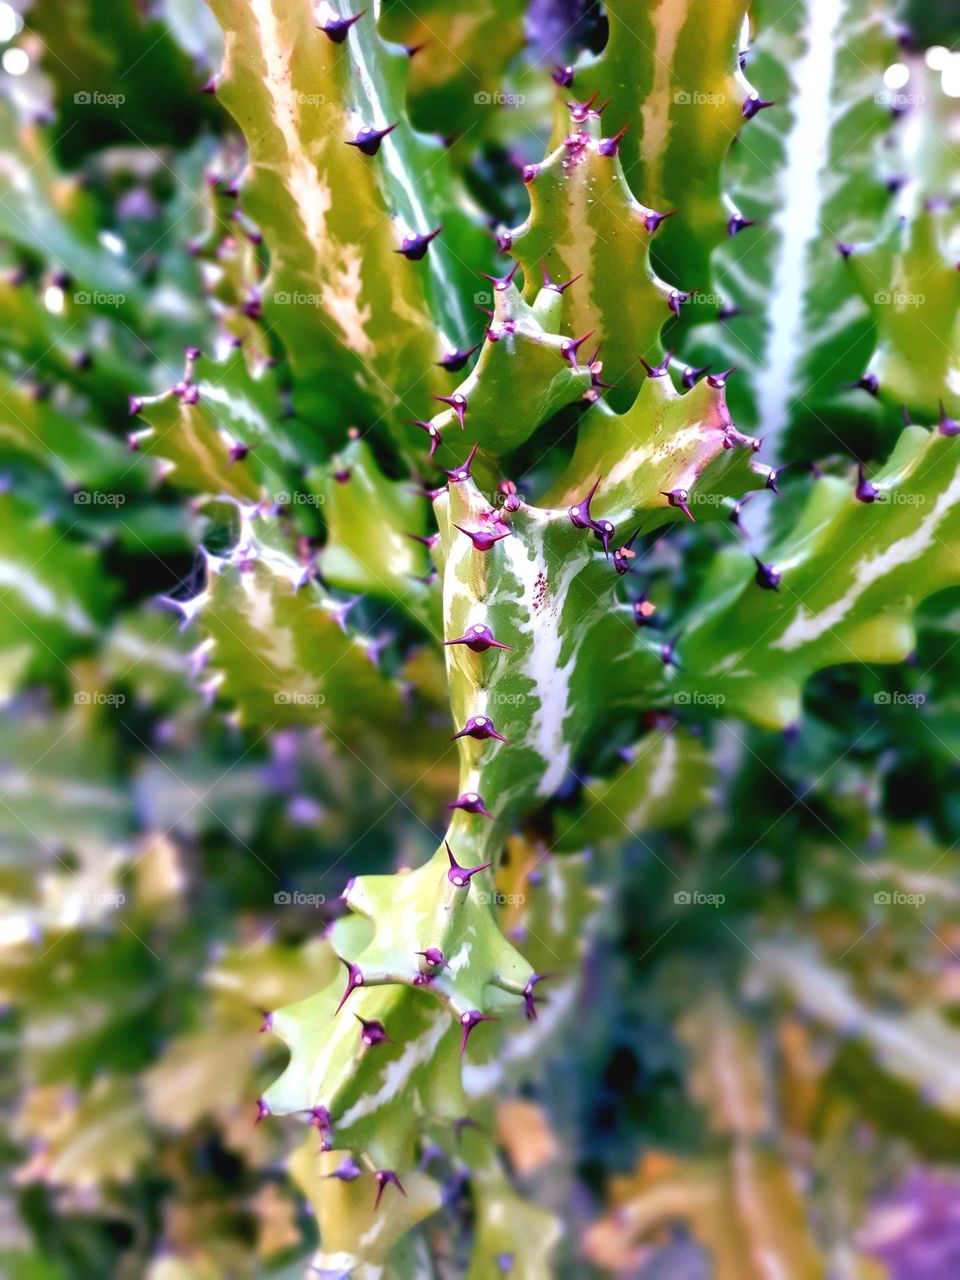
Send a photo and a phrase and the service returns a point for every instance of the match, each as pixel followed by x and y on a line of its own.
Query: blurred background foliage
pixel 759 1066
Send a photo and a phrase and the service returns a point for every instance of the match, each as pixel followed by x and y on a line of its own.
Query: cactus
pixel 414 703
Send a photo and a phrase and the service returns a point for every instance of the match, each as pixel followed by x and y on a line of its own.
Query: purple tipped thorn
pixel 692 374
pixel 484 539
pixel 623 555
pixel 643 612
pixel 210 86
pixel 528 994
pixel 347 1170
pixel 610 146
pixel 238 451
pixel 479 727
pixel 431 431
pixel 454 360
pixel 354 979
pixel 719 380
pixel 457 402
pixel 433 956
pixel 500 283
pixel 372 1032
pixel 679 498
pixel 766 576
pixel 135 404
pixel 652 219
pixel 429 540
pixel 678 297
pixel 478 638
pixel 267 1024
pixel 556 285
pixel 386 1177
pixel 948 426
pixel 869 383
pixel 262 1111
pixel 504 239
pixel 529 172
pixel 604 530
pixel 753 105
pixel 461 473
pixel 738 223
pixel 773 475
pixel 368 139
pixel 415 246
pixel 337 29
pixel 459 876
pixel 468 1021
pixel 471 802
pixel 579 513
pixel 570 346
pixel 866 490
pixel 563 76
pixel 658 370
pixel 845 251
pixel 580 110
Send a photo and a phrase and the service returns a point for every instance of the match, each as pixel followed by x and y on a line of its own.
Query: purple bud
pixel 267 1024
pixel 719 380
pixel 504 239
pixel 604 530
pixel 210 86
pixel 135 404
pixel 478 638
pixel 372 1032
pixel 238 451
pixel 468 1021
pixel 846 251
pixel 368 139
pixel 459 876
pixel 869 383
pixel 471 802
pixel 337 29
pixel 766 576
pixel 354 979
pixel 580 110
pixel 579 513
pixel 415 246
pixel 530 172
pixel 429 540
pixel 501 283
pixel 385 1177
pixel 479 727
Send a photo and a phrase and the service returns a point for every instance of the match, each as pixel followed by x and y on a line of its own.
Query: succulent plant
pixel 376 659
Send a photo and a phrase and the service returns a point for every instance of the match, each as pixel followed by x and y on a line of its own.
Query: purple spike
pixel 678 297
pixel 372 1032
pixel 658 370
pixel 692 374
pixel 337 29
pixel 570 346
pixel 504 239
pixel 643 612
pixel 414 247
pixel 623 555
pixel 484 539
pixel 460 876
pixel 210 86
pixel 478 638
pixel 354 979
pixel 461 473
pixel 347 1170
pixel 579 513
pixel 471 802
pixel 429 540
pixel 238 451
pixel 529 172
pixel 773 475
pixel 267 1024
pixel 719 380
pixel 869 383
pixel 454 360
pixel 563 76
pixel 479 727
pixel 262 1111
pixel 431 431
pixel 135 404
pixel 679 498
pixel 652 219
pixel 555 285
pixel 846 251
pixel 386 1177
pixel 434 957
pixel 766 576
pixel 468 1021
pixel 457 402
pixel 604 530
pixel 368 139
pixel 501 283
pixel 611 146
pixel 738 223
pixel 529 1000
pixel 754 105
pixel 580 110
pixel 948 426
pixel 866 490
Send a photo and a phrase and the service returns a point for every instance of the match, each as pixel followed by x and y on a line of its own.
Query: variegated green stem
pixel 362 324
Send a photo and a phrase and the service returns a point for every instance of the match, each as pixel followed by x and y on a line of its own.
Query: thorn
pixel 579 513
pixel 555 285
pixel 460 876
pixel 431 431
pixel 580 110
pixel 719 380
pixel 368 139
pixel 766 576
pixel 372 1032
pixel 754 105
pixel 454 360
pixel 679 498
pixel 866 490
pixel 414 247
pixel 135 404
pixel 479 727
pixel 468 1021
pixel 238 451
pixel 267 1024
pixel 484 539
pixel 738 223
pixel 869 383
pixel 461 473
pixel 354 979
pixel 210 86
pixel 384 1178
pixel 604 531
pixel 434 957
pixel 846 251
pixel 529 172
pixel 471 802
pixel 478 638
pixel 347 1170
pixel 337 29
pixel 429 540
pixel 570 346
pixel 773 475
pixel 563 76
pixel 652 219
pixel 500 283
pixel 610 146
pixel 643 612
pixel 658 370
pixel 948 426
pixel 623 555
pixel 678 297
pixel 457 402
pixel 528 994
pixel 692 374
pixel 262 1111
pixel 504 239
pixel 462 1123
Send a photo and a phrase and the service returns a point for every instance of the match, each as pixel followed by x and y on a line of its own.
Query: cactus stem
pixel 479 638
pixel 471 802
pixel 354 979
pixel 368 139
pixel 479 727
pixel 337 29
pixel 415 246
